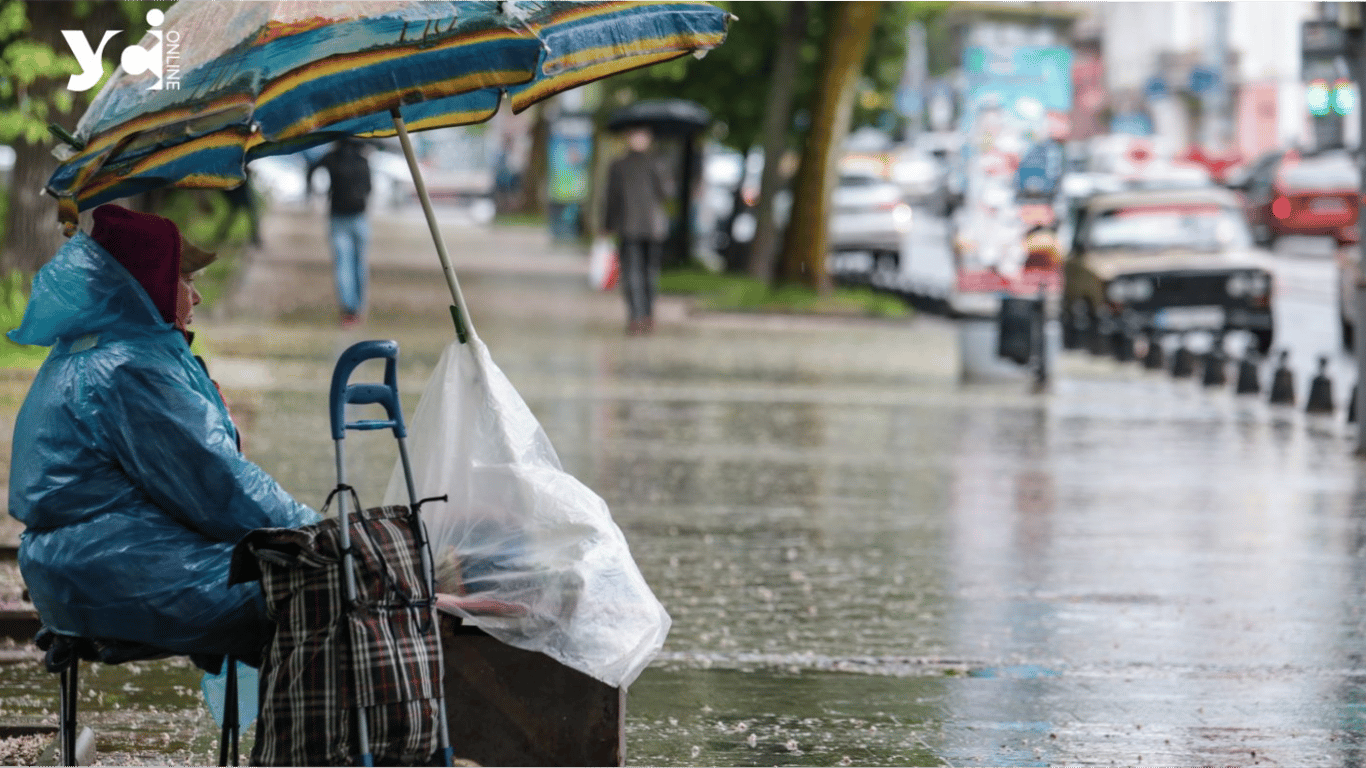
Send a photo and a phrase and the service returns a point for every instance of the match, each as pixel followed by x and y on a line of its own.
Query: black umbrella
pixel 663 116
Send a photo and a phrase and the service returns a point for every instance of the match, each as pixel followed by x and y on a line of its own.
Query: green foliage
pixel 733 80
pixel 740 293
pixel 33 70
pixel 13 300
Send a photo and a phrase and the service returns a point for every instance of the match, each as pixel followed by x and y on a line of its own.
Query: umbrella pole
pixel 459 312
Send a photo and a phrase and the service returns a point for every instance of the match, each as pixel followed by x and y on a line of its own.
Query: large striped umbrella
pixel 242 80
pixel 222 83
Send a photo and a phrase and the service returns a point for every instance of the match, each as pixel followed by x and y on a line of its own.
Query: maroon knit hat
pixel 148 246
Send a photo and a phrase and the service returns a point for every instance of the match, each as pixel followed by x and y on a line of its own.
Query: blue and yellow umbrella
pixel 223 83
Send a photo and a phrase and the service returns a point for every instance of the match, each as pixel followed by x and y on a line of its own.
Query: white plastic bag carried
pixel 534 553
pixel 604 267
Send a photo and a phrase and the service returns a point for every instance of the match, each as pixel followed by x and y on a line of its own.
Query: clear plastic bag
pixel 530 554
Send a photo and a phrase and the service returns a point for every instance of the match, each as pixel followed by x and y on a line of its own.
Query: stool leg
pixel 227 744
pixel 67 728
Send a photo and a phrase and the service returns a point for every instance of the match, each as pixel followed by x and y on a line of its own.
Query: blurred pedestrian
pixel 349 232
pixel 637 188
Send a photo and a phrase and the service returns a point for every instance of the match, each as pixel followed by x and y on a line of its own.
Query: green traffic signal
pixel 1319 98
pixel 1344 99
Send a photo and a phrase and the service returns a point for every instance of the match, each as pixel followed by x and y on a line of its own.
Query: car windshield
pixel 1170 227
pixel 1333 171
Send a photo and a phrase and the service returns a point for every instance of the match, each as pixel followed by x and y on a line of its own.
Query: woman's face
pixel 186 297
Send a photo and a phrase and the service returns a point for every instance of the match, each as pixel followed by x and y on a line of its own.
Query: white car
pixel 921 176
pixel 869 215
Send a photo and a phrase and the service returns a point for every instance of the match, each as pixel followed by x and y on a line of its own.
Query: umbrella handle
pixel 459 312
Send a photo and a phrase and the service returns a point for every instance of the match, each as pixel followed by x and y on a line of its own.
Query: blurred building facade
pixel 1225 76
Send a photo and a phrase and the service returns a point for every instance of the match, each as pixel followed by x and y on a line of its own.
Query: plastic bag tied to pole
pixel 532 555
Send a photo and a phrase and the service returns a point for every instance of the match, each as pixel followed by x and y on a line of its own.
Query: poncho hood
pixel 84 290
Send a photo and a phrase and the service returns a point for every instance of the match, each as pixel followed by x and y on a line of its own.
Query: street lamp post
pixel 1350 17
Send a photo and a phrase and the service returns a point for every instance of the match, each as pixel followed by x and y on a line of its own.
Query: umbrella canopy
pixel 664 116
pixel 262 78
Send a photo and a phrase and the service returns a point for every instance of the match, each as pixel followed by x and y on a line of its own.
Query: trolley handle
pixel 385 394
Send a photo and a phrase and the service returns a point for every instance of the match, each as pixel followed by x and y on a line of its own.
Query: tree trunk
pixel 535 188
pixel 842 54
pixel 32 234
pixel 777 117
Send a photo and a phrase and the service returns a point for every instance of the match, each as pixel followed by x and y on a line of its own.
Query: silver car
pixel 870 215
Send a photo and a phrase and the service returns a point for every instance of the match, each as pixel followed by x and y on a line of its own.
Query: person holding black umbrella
pixel 637 188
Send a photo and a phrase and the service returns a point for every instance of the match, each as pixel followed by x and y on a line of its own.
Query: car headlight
pixel 901 217
pixel 1140 289
pixel 1248 284
pixel 1126 290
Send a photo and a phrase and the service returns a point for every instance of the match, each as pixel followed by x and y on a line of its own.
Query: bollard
pixel 1184 363
pixel 1215 367
pixel 1122 346
pixel 1320 391
pixel 1098 339
pixel 1352 407
pixel 1154 359
pixel 1248 383
pixel 1283 382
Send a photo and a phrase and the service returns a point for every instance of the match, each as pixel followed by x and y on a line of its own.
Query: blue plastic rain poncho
pixel 126 471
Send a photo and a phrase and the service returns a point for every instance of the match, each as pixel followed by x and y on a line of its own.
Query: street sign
pixel 909 103
pixel 1322 38
pixel 1203 79
pixel 1155 88
pixel 1323 51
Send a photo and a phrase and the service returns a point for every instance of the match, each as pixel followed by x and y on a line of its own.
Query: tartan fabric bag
pixel 324 660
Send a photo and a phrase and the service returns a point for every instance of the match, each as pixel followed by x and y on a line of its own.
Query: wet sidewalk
pixel 866 561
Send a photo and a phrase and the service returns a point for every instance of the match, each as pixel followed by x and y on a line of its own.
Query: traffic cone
pixel 1215 367
pixel 1155 359
pixel 1248 384
pixel 1098 340
pixel 1320 391
pixel 1283 382
pixel 1184 363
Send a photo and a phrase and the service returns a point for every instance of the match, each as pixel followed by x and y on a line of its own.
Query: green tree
pixel 742 82
pixel 35 63
pixel 844 49
pixel 777 119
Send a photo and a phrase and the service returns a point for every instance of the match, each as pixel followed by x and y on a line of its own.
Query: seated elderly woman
pixel 126 471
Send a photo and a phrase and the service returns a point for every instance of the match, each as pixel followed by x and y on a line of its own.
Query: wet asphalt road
pixel 867 562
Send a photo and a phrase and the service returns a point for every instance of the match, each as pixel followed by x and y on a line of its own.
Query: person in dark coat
pixel 126 471
pixel 637 189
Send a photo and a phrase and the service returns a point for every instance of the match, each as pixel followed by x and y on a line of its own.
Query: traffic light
pixel 1319 98
pixel 1344 100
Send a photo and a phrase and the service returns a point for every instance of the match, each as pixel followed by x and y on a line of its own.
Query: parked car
pixel 923 178
pixel 1285 193
pixel 1155 262
pixel 869 214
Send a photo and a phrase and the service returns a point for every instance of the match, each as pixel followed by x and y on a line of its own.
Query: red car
pixel 1285 193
